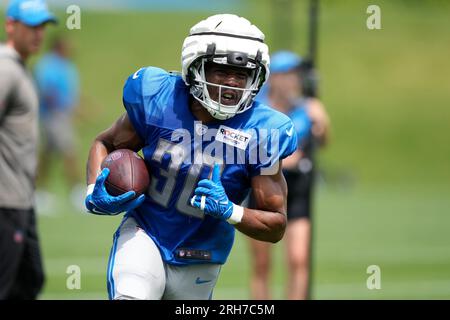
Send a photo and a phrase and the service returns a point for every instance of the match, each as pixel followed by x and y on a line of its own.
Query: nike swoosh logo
pixel 290 131
pixel 136 74
pixel 200 281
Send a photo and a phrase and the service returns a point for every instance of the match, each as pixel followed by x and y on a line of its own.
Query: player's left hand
pixel 99 201
pixel 210 197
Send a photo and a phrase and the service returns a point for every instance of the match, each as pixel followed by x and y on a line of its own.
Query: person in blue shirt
pixel 206 143
pixel 57 81
pixel 283 91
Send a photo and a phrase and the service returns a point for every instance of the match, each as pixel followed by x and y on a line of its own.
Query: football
pixel 128 172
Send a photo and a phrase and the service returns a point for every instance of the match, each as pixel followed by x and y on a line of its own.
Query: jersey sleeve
pixel 140 88
pixel 271 147
pixel 134 103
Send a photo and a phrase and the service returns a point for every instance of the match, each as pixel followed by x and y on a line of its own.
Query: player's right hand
pixel 99 201
pixel 211 198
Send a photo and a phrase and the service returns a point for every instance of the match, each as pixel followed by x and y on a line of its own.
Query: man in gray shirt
pixel 21 272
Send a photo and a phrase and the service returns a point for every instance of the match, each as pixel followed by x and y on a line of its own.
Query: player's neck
pixel 200 112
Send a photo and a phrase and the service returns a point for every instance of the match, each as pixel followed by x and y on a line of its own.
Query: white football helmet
pixel 230 40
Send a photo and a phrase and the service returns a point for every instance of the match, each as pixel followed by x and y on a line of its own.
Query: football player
pixel 206 143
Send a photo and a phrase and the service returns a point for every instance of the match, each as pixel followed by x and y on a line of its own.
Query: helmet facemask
pixel 227 40
pixel 221 109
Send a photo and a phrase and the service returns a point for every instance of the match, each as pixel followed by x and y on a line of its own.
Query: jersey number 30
pixel 171 175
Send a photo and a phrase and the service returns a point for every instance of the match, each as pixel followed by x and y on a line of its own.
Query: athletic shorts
pixel 21 272
pixel 136 270
pixel 299 194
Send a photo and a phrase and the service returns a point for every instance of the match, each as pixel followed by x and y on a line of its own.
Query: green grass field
pixel 383 193
pixel 403 231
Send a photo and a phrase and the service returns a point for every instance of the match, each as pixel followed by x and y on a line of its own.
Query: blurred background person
pixel 284 92
pixel 57 80
pixel 21 271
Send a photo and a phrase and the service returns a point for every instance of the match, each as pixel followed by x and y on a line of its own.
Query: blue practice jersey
pixel 179 151
pixel 298 114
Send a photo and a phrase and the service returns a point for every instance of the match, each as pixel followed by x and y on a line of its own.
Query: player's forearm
pixel 97 153
pixel 267 222
pixel 120 135
pixel 262 225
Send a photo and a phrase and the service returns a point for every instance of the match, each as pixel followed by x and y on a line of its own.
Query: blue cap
pixel 284 61
pixel 30 12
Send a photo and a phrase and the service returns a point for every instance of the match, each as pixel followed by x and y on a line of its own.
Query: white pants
pixel 137 271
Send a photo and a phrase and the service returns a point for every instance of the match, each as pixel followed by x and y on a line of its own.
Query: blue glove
pixel 210 197
pixel 101 202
